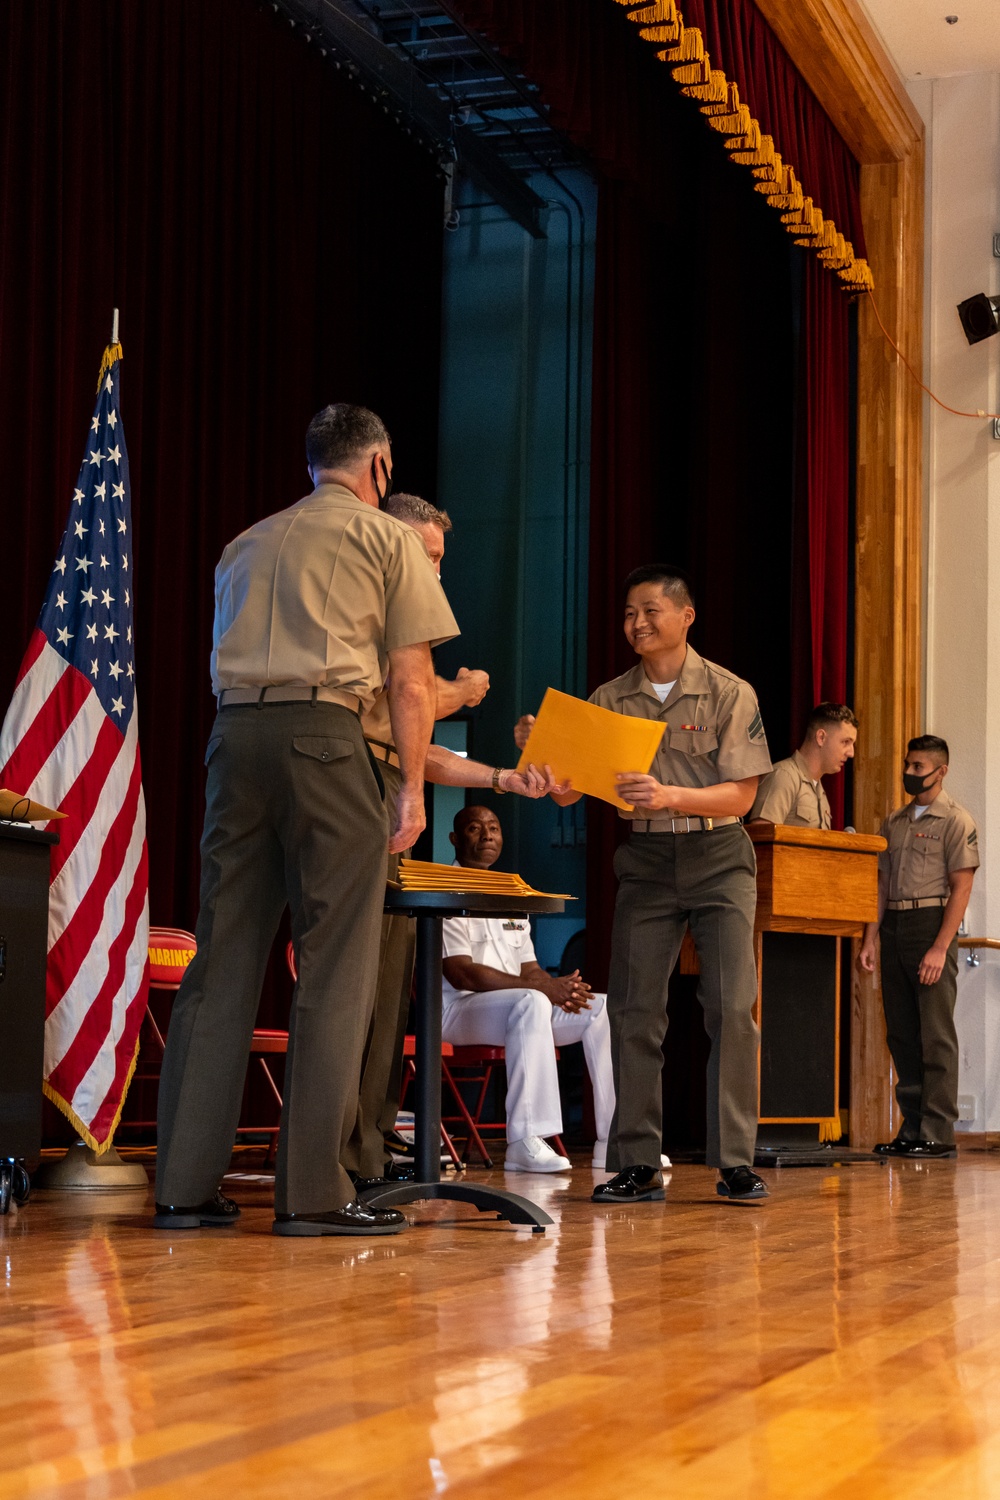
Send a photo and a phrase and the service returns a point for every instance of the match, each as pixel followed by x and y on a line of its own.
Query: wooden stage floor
pixel 841 1341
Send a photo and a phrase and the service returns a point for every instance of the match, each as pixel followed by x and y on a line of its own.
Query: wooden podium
pixel 813 888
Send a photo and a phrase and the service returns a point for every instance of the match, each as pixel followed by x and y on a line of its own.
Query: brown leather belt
pixel 383 752
pixel 916 904
pixel 279 694
pixel 680 825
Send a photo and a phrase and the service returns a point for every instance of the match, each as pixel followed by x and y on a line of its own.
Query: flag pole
pixel 81 1168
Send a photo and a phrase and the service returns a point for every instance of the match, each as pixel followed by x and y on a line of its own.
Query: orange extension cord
pixel 989 416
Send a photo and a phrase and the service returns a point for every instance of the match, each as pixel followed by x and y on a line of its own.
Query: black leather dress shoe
pixel 918 1150
pixel 634 1185
pixel 741 1185
pixel 218 1210
pixel 368 1184
pixel 354 1218
pixel 394 1172
pixel 898 1146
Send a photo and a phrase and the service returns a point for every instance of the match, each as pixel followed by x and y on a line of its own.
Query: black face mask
pixel 916 784
pixel 383 500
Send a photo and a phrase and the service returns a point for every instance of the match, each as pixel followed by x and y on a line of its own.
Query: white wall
pixel 962 466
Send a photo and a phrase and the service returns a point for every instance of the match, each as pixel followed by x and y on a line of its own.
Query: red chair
pixel 478 1064
pixel 263 1044
pixel 171 949
pixel 409 1075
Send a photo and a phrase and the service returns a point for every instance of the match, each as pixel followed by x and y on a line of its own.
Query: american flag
pixel 70 741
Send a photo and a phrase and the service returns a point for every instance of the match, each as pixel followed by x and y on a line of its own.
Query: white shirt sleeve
pixel 457 937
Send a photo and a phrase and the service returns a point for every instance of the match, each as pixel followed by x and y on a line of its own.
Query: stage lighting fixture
pixel 980 317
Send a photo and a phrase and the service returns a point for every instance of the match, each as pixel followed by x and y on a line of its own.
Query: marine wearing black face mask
pixel 915 785
pixel 383 499
pixel 925 879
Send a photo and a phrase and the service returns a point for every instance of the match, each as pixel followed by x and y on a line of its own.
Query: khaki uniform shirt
pixel 376 723
pixel 924 851
pixel 319 594
pixel 714 731
pixel 789 796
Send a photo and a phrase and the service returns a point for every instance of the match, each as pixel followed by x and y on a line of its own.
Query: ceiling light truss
pixel 445 85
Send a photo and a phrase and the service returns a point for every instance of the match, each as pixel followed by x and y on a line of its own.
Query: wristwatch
pixel 496 782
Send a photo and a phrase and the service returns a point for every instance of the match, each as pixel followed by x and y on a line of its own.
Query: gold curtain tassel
pixel 661 21
pixel 648 15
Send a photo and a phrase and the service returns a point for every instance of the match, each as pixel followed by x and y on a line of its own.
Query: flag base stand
pixel 82 1170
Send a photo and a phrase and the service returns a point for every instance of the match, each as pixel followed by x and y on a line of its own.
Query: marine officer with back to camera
pixel 314 606
pixel 687 862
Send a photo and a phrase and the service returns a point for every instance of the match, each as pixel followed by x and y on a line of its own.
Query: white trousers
pixel 529 1027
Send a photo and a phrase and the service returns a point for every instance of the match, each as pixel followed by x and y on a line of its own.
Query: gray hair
pixel 417 512
pixel 341 436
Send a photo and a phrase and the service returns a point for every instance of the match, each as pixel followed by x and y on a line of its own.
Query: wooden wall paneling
pixel 838 53
pixel 887 611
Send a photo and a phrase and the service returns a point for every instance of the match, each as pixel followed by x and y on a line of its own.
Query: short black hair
pixel 340 436
pixel 676 583
pixel 830 713
pixel 931 744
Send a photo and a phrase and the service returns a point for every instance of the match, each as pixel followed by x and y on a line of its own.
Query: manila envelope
pixel 24 809
pixel 588 745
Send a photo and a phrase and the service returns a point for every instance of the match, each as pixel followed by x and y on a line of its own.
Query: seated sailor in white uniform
pixel 497 995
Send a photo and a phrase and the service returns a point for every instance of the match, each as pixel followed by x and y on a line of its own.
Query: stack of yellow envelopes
pixel 423 875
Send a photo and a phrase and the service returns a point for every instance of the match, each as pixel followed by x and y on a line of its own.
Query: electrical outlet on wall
pixel 966 1107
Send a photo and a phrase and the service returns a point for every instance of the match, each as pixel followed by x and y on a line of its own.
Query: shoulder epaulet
pixel 727 676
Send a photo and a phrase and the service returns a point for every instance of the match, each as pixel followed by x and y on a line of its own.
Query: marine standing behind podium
pixel 688 862
pixel 793 792
pixel 314 606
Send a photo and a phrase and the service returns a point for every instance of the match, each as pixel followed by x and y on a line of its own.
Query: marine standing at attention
pixel 688 862
pixel 924 883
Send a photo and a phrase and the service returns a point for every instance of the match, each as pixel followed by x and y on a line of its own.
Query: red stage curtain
pixel 820 602
pixel 273 242
pixel 681 392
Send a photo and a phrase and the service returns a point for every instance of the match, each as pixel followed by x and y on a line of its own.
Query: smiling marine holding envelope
pixel 688 862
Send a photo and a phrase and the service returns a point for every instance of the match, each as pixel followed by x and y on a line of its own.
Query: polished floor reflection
pixel 841 1341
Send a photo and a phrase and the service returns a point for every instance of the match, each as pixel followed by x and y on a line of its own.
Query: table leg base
pixel 509 1206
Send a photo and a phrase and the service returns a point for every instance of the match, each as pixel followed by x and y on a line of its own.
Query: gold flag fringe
pixel 64 1106
pixel 831 1129
pixel 683 49
pixel 112 354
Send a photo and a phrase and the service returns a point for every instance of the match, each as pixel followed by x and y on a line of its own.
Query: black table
pixel 430 908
